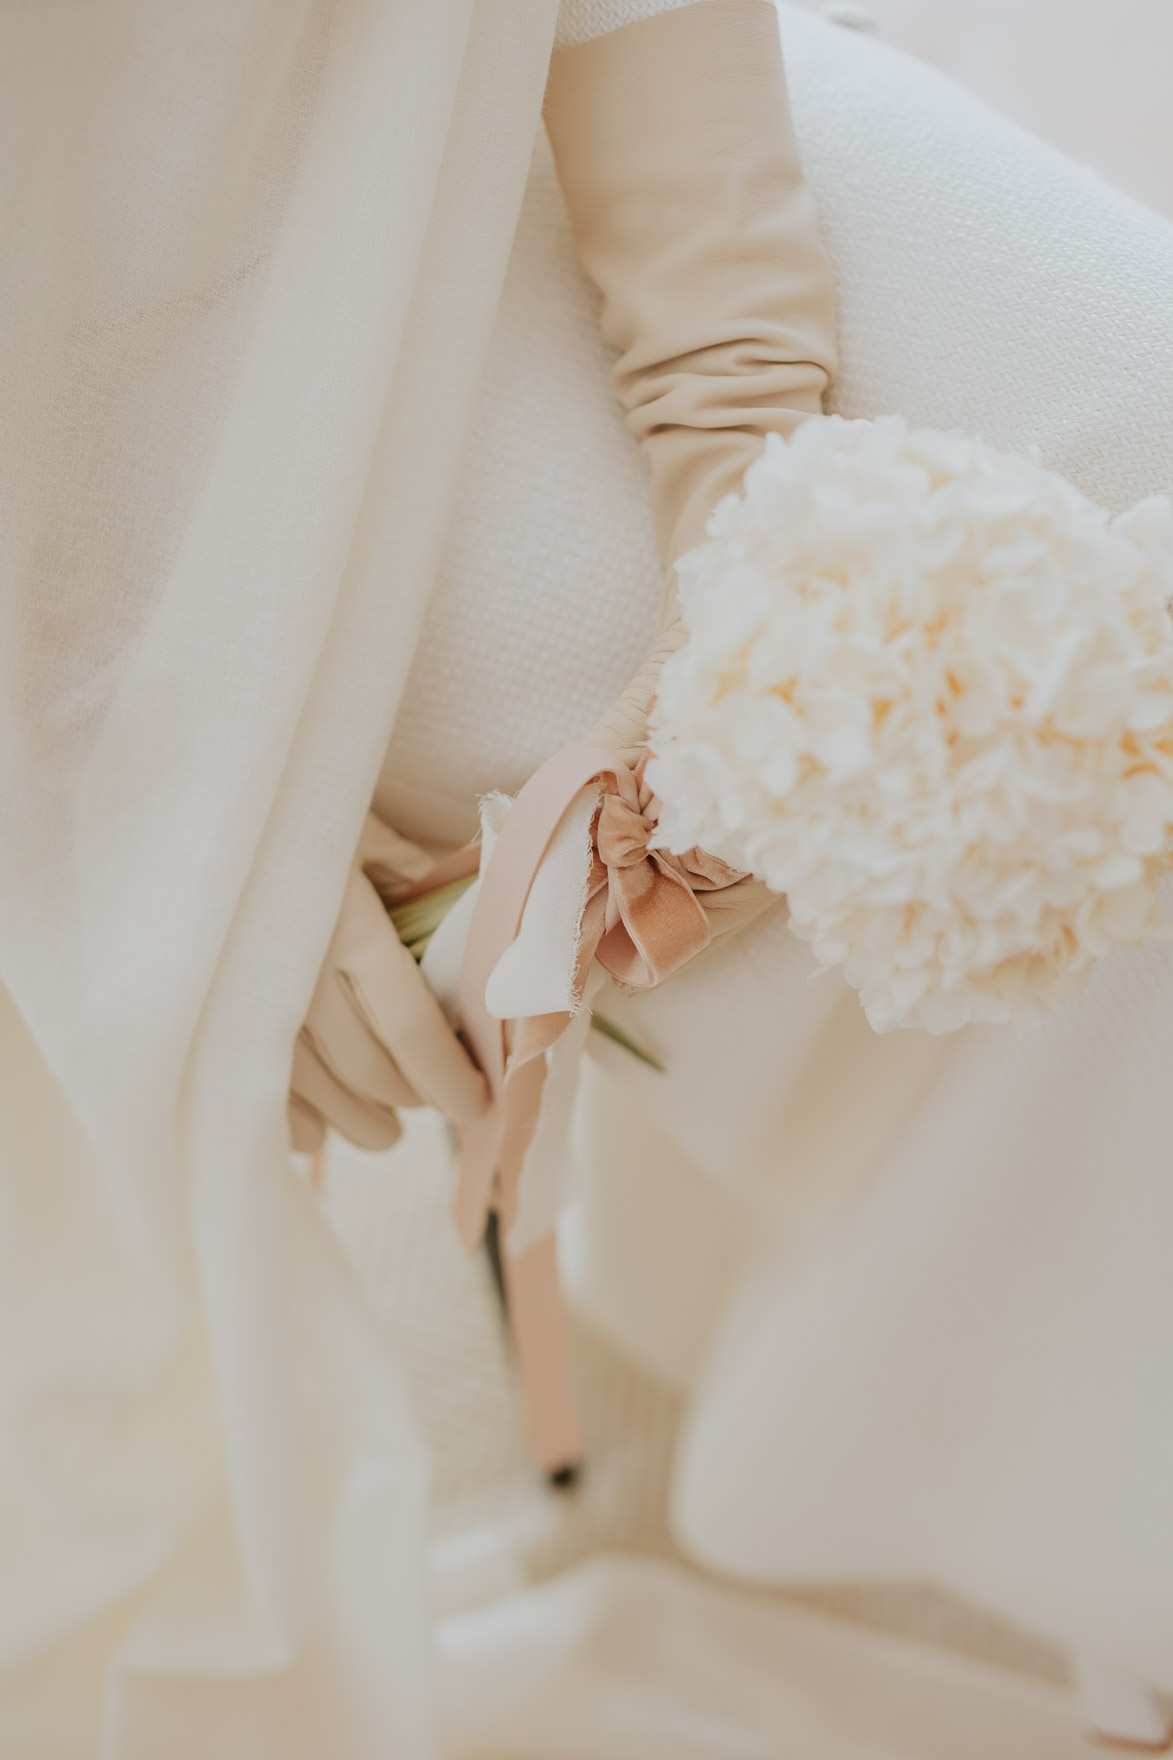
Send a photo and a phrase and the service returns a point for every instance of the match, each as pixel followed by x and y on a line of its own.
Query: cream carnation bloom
pixel 927 693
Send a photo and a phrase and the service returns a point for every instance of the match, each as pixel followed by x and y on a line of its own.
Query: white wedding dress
pixel 916 1288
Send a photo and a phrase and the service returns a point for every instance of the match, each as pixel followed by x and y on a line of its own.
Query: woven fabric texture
pixel 580 20
pixel 983 281
pixel 545 600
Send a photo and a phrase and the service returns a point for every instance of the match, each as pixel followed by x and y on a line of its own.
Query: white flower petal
pixel 928 692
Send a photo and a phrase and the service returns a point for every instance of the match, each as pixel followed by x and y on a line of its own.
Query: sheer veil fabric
pixel 253 253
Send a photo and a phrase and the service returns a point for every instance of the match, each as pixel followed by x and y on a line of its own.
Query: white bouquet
pixel 927 693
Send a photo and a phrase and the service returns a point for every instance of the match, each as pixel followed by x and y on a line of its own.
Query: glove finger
pixel 361 1122
pixel 345 1044
pixel 408 1020
pixel 307 1127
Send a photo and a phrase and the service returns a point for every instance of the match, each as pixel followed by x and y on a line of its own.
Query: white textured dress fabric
pixel 965 1315
pixel 545 601
pixel 580 20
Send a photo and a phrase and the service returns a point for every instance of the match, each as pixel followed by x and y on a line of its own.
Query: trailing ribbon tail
pixel 641 917
pixel 493 1148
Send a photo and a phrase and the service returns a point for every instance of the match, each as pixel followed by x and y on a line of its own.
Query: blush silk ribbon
pixel 642 920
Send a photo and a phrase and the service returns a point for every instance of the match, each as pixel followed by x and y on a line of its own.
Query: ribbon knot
pixel 643 919
pixel 622 834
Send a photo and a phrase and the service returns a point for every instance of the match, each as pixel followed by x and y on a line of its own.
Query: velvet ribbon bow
pixel 643 919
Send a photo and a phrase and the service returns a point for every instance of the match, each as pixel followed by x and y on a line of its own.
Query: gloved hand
pixel 375 1038
pixel 676 154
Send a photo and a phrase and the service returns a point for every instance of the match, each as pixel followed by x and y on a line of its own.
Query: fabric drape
pixel 252 258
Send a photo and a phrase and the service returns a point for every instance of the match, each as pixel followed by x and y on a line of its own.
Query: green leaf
pixel 417 920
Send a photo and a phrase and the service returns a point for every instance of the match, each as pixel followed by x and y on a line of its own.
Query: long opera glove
pixel 676 153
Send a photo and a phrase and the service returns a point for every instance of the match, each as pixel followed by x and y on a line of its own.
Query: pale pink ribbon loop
pixel 642 920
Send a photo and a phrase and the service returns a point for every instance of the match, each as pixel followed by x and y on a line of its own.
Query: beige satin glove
pixel 677 157
pixel 375 1038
